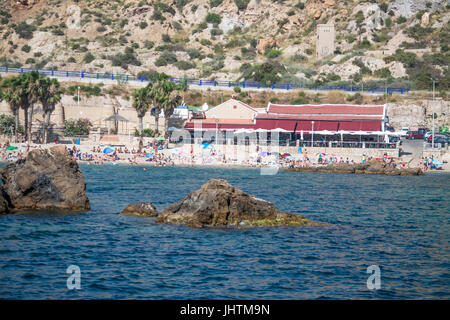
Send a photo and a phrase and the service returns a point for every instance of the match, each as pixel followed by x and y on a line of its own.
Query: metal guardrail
pixel 202 82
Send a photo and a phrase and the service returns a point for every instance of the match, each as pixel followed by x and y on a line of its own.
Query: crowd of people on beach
pixel 157 154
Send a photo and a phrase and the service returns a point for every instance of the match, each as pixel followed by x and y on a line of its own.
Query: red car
pixel 415 135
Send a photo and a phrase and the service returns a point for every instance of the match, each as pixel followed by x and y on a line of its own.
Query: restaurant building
pixel 307 124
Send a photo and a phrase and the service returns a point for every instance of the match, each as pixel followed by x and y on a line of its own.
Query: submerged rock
pixel 45 179
pixel 218 203
pixel 370 167
pixel 141 209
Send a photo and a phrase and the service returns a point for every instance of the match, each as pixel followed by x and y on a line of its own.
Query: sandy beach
pixel 93 154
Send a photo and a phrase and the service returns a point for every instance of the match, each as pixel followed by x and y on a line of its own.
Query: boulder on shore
pixel 218 203
pixel 370 167
pixel 141 209
pixel 45 179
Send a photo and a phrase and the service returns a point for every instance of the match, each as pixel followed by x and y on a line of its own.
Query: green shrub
pixel 76 128
pixel 269 71
pixel 166 58
pixel 89 57
pixel 149 44
pixel 194 53
pixel 400 20
pixel 7 124
pixel 213 18
pixel 273 53
pixel 242 4
pixel 300 5
pixel 216 32
pixel 300 100
pixel 237 89
pixel 383 73
pixel 417 32
pixel 147 132
pixel 166 38
pixel 143 25
pixel 184 65
pixel 24 30
pixel 215 3
pixel 205 42
pixel 125 59
pixel 26 48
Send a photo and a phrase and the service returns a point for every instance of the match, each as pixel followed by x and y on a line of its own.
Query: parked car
pixel 404 132
pixel 427 134
pixel 436 136
pixel 413 135
pixel 440 142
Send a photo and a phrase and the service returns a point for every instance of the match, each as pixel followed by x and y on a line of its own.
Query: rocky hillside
pixel 401 43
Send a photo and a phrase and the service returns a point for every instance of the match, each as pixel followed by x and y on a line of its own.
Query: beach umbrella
pixel 240 131
pixel 324 132
pixel 279 130
pixel 149 155
pixel 264 154
pixel 285 155
pixel 12 148
pixel 108 150
pixel 206 145
pixel 160 138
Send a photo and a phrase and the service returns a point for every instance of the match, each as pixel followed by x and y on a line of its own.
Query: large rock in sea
pixel 141 209
pixel 45 179
pixel 218 203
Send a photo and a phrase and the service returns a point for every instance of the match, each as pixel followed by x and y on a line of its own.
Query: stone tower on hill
pixel 325 40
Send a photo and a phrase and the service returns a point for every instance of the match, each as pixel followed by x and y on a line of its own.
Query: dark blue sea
pixel 400 224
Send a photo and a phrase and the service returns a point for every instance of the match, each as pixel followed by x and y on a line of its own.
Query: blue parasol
pixel 108 150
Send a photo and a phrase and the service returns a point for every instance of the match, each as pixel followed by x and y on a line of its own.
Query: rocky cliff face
pixel 45 180
pixel 224 39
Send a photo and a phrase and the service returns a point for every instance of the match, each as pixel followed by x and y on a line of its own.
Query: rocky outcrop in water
pixel 4 203
pixel 218 203
pixel 141 209
pixel 370 167
pixel 45 179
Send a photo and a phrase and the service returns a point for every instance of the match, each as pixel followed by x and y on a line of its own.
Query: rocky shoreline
pixel 370 167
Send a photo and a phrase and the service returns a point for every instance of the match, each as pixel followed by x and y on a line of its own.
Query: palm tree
pixel 165 97
pixel 49 95
pixel 12 94
pixel 141 102
pixel 157 95
pixel 33 82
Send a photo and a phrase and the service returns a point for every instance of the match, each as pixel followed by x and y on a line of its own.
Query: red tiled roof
pixel 326 109
pixel 367 117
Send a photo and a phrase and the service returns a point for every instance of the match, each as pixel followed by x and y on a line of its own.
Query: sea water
pixel 398 223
